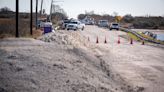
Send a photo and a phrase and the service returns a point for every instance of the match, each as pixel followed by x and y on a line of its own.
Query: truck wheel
pixel 82 28
pixel 75 29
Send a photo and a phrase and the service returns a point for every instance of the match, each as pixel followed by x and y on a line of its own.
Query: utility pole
pixel 36 17
pixel 41 7
pixel 17 18
pixel 51 10
pixel 31 17
pixel 52 1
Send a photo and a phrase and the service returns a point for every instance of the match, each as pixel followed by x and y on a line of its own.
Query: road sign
pixel 118 18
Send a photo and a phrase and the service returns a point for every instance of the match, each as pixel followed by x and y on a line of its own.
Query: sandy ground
pixel 66 61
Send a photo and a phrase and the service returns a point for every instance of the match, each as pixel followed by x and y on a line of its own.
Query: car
pixel 64 24
pixel 103 23
pixel 114 26
pixel 75 25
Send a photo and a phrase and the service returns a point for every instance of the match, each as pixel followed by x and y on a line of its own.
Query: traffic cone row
pixel 118 42
pixel 97 40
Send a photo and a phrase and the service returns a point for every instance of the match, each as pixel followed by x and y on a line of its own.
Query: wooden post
pixel 36 17
pixel 17 18
pixel 31 18
pixel 41 7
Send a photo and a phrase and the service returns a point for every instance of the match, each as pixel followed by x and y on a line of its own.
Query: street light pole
pixel 31 17
pixel 17 18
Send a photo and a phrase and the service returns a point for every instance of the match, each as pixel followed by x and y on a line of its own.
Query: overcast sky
pixel 75 7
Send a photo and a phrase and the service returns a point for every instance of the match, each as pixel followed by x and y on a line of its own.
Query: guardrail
pixel 139 36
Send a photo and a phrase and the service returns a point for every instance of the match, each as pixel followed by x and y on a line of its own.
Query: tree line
pixel 142 22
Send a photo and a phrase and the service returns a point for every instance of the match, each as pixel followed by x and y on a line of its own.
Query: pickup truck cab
pixel 103 23
pixel 75 25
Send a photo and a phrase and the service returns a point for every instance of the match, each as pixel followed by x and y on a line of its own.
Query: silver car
pixel 114 26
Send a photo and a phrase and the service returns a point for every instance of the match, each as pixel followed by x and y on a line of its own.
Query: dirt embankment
pixel 56 65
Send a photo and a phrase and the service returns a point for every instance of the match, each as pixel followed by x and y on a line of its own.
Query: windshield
pixel 73 22
pixel 115 24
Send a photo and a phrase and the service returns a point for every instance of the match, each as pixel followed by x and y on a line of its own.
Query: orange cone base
pixel 105 40
pixel 131 41
pixel 97 41
pixel 88 39
pixel 118 42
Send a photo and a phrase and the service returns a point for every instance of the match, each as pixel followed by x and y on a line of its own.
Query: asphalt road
pixel 139 65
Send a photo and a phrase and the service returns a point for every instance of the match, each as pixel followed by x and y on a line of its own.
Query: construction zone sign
pixel 118 18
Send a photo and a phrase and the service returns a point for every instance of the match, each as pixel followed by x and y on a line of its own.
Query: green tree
pixel 5 10
pixel 81 16
pixel 128 18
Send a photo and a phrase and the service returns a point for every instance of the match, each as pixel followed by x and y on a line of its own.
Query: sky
pixel 75 7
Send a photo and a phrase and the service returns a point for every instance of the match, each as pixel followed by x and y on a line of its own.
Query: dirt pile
pixel 65 38
pixel 46 67
pixel 55 65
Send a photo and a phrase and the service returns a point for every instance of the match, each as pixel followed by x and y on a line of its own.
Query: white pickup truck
pixel 75 25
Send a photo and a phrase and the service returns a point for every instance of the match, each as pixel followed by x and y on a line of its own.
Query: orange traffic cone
pixel 88 39
pixel 118 40
pixel 97 41
pixel 143 42
pixel 131 41
pixel 105 40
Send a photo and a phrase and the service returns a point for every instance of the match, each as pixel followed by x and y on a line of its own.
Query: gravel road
pixel 139 65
